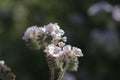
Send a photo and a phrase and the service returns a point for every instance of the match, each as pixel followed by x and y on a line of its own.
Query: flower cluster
pixel 5 72
pixel 52 39
pixel 37 37
pixel 64 55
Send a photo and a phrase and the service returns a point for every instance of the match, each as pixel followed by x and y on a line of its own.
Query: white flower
pixel 61 44
pixel 67 49
pixel 53 50
pixel 64 39
pixel 2 63
pixel 31 33
pixel 42 30
pixel 57 33
pixel 49 49
pixel 50 27
pixel 77 51
pixel 72 51
pixel 54 30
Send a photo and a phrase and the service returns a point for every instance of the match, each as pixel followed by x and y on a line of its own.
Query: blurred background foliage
pixel 92 25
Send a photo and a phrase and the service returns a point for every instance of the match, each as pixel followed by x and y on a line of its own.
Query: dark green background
pixel 98 63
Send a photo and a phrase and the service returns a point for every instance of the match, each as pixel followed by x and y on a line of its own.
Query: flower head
pixel 31 33
pixel 77 52
pixel 72 51
pixel 51 27
pixel 54 30
pixel 53 50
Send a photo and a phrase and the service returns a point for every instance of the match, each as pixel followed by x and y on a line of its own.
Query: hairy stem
pixel 61 75
pixel 52 73
pixel 63 70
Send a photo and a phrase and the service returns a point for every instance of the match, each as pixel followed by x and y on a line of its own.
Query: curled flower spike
pixel 36 36
pixel 71 57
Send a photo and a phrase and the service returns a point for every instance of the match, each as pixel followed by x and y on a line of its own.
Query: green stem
pixel 52 73
pixel 63 70
pixel 61 75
